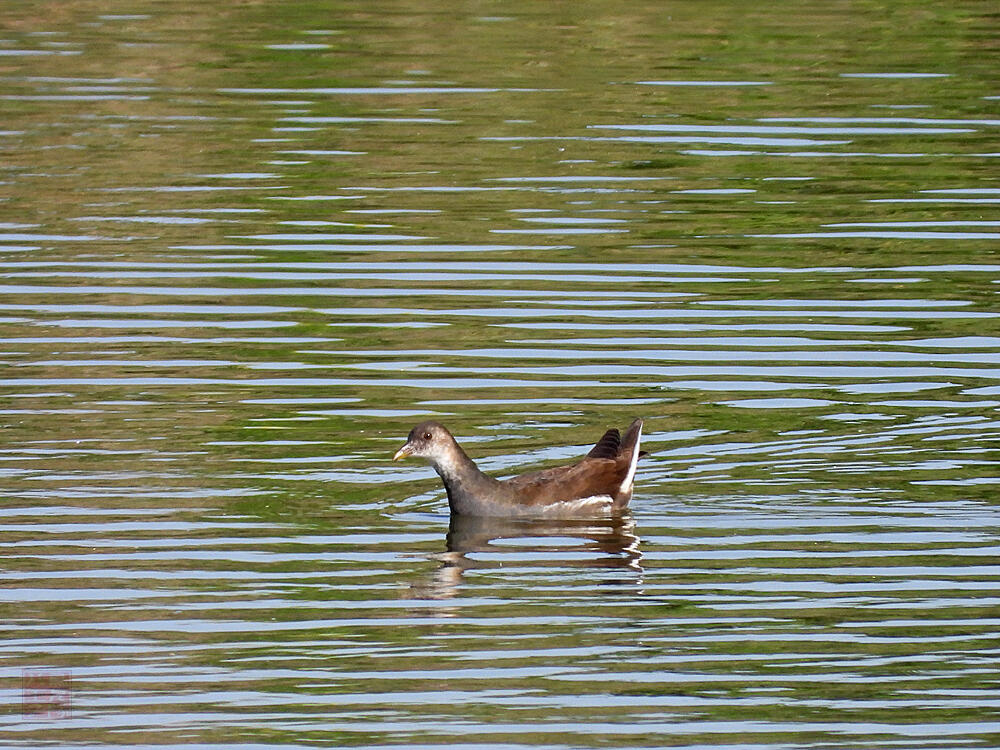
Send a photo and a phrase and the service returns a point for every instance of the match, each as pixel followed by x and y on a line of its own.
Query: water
pixel 244 249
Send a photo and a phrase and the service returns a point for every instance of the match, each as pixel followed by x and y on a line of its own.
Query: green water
pixel 246 246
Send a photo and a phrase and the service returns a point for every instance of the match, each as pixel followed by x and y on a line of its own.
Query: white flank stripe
pixel 570 508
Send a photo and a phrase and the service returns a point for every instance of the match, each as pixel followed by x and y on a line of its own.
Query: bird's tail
pixel 630 449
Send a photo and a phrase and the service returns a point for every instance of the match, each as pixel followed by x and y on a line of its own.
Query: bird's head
pixel 427 440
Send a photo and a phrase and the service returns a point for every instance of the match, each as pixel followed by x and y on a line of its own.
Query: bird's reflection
pixel 476 543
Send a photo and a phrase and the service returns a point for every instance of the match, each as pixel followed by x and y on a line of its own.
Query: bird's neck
pixel 462 478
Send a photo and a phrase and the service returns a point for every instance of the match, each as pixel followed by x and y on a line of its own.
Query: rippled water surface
pixel 245 247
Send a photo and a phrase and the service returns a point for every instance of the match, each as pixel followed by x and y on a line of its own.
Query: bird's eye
pixel 427 436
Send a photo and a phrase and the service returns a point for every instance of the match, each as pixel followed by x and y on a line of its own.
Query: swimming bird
pixel 599 484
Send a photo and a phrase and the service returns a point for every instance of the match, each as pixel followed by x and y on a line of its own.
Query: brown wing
pixel 589 477
pixel 603 471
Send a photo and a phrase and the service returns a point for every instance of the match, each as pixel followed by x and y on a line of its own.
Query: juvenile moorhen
pixel 599 484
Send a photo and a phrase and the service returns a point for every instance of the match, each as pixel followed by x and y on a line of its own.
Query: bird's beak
pixel 403 452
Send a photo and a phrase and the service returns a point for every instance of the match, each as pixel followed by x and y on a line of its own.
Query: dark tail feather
pixel 609 446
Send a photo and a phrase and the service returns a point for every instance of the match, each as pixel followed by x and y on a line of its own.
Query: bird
pixel 599 484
